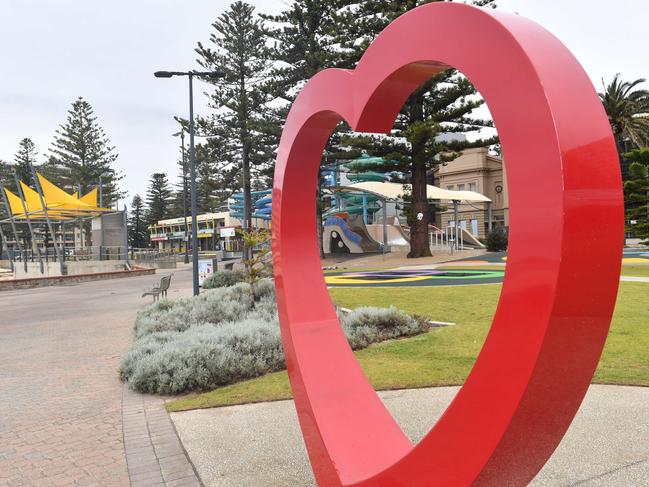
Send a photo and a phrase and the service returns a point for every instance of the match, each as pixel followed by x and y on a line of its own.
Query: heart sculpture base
pixel 562 270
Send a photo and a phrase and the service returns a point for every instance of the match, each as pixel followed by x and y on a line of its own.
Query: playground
pixel 415 277
pixel 483 268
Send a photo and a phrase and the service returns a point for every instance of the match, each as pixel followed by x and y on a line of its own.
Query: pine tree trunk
pixel 247 217
pixel 419 245
pixel 245 160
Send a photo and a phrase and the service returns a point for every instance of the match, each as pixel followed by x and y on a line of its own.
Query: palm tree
pixel 628 112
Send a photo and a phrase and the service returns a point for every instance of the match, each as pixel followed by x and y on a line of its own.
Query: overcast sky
pixel 51 52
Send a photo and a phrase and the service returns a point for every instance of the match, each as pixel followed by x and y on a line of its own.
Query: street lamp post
pixel 182 150
pixel 192 157
pixel 101 189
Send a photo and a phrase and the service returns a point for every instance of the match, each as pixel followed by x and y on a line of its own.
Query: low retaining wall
pixel 32 282
pixel 75 268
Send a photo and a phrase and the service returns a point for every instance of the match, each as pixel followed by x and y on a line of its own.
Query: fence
pixel 101 253
pixel 448 240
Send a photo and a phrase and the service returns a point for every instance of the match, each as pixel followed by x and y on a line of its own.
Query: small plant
pixel 224 279
pixel 496 240
pixel 366 325
pixel 258 263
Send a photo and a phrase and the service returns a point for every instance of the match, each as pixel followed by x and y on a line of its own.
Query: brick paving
pixel 154 453
pixel 60 394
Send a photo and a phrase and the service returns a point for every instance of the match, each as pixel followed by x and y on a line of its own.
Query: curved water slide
pixel 347 236
pixel 469 240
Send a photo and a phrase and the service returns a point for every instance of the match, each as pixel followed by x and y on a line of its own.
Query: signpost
pixel 206 268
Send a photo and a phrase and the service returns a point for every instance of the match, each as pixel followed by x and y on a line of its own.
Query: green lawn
pixel 641 270
pixel 444 356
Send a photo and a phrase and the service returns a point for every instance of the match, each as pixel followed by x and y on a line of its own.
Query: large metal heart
pixel 562 270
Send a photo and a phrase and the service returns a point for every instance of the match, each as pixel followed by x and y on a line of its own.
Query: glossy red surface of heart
pixel 566 234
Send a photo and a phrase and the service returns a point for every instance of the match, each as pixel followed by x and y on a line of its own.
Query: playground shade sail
pixel 395 191
pixel 58 204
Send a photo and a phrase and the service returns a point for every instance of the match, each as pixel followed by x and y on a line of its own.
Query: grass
pixel 641 270
pixel 444 356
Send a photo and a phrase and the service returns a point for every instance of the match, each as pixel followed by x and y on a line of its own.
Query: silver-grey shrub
pixel 366 325
pixel 224 279
pixel 205 356
pixel 220 337
pixel 214 306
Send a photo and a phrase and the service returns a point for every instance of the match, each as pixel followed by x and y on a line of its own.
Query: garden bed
pixel 227 335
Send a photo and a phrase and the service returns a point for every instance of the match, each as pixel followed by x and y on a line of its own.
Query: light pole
pixel 192 157
pixel 101 190
pixel 182 150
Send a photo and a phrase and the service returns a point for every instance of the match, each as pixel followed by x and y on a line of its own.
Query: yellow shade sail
pixel 59 204
pixel 15 204
pixel 90 198
pixel 57 198
pixel 32 199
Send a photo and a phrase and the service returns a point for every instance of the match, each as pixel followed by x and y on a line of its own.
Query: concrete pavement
pixel 61 397
pixel 261 444
pixel 634 279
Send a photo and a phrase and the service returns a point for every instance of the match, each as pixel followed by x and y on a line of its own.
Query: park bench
pixel 160 289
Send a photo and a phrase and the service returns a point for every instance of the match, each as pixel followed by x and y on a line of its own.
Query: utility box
pixel 109 234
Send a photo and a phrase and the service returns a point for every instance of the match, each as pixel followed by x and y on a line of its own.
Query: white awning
pixel 394 191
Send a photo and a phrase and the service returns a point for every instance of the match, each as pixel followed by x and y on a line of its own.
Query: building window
pixel 460 187
pixel 472 187
pixel 450 188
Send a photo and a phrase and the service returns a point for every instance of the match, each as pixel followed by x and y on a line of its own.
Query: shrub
pixel 364 326
pixel 204 357
pixel 222 337
pixel 224 279
pixel 214 306
pixel 496 240
pixel 156 318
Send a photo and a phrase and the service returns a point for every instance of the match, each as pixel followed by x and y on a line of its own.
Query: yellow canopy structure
pixel 58 203
pixel 15 203
pixel 90 198
pixel 55 197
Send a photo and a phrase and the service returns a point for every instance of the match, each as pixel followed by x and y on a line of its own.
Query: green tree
pixel 425 131
pixel 24 158
pixel 81 152
pixel 238 48
pixel 138 236
pixel 5 180
pixel 636 192
pixel 303 44
pixel 207 179
pixel 627 108
pixel 158 198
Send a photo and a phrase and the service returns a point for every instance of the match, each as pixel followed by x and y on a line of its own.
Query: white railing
pixel 450 239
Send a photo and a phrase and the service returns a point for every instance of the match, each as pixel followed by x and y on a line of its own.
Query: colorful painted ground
pixel 414 277
pixel 486 269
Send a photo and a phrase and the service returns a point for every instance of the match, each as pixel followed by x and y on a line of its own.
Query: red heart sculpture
pixel 562 271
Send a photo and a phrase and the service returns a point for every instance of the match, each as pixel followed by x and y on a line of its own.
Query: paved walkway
pixel 61 400
pixel 634 279
pixel 261 444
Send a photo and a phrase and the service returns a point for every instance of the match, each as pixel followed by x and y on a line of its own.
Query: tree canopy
pixel 81 153
pixel 636 192
pixel 158 198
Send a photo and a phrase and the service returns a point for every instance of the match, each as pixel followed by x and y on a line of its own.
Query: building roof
pixel 222 215
pixel 395 191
